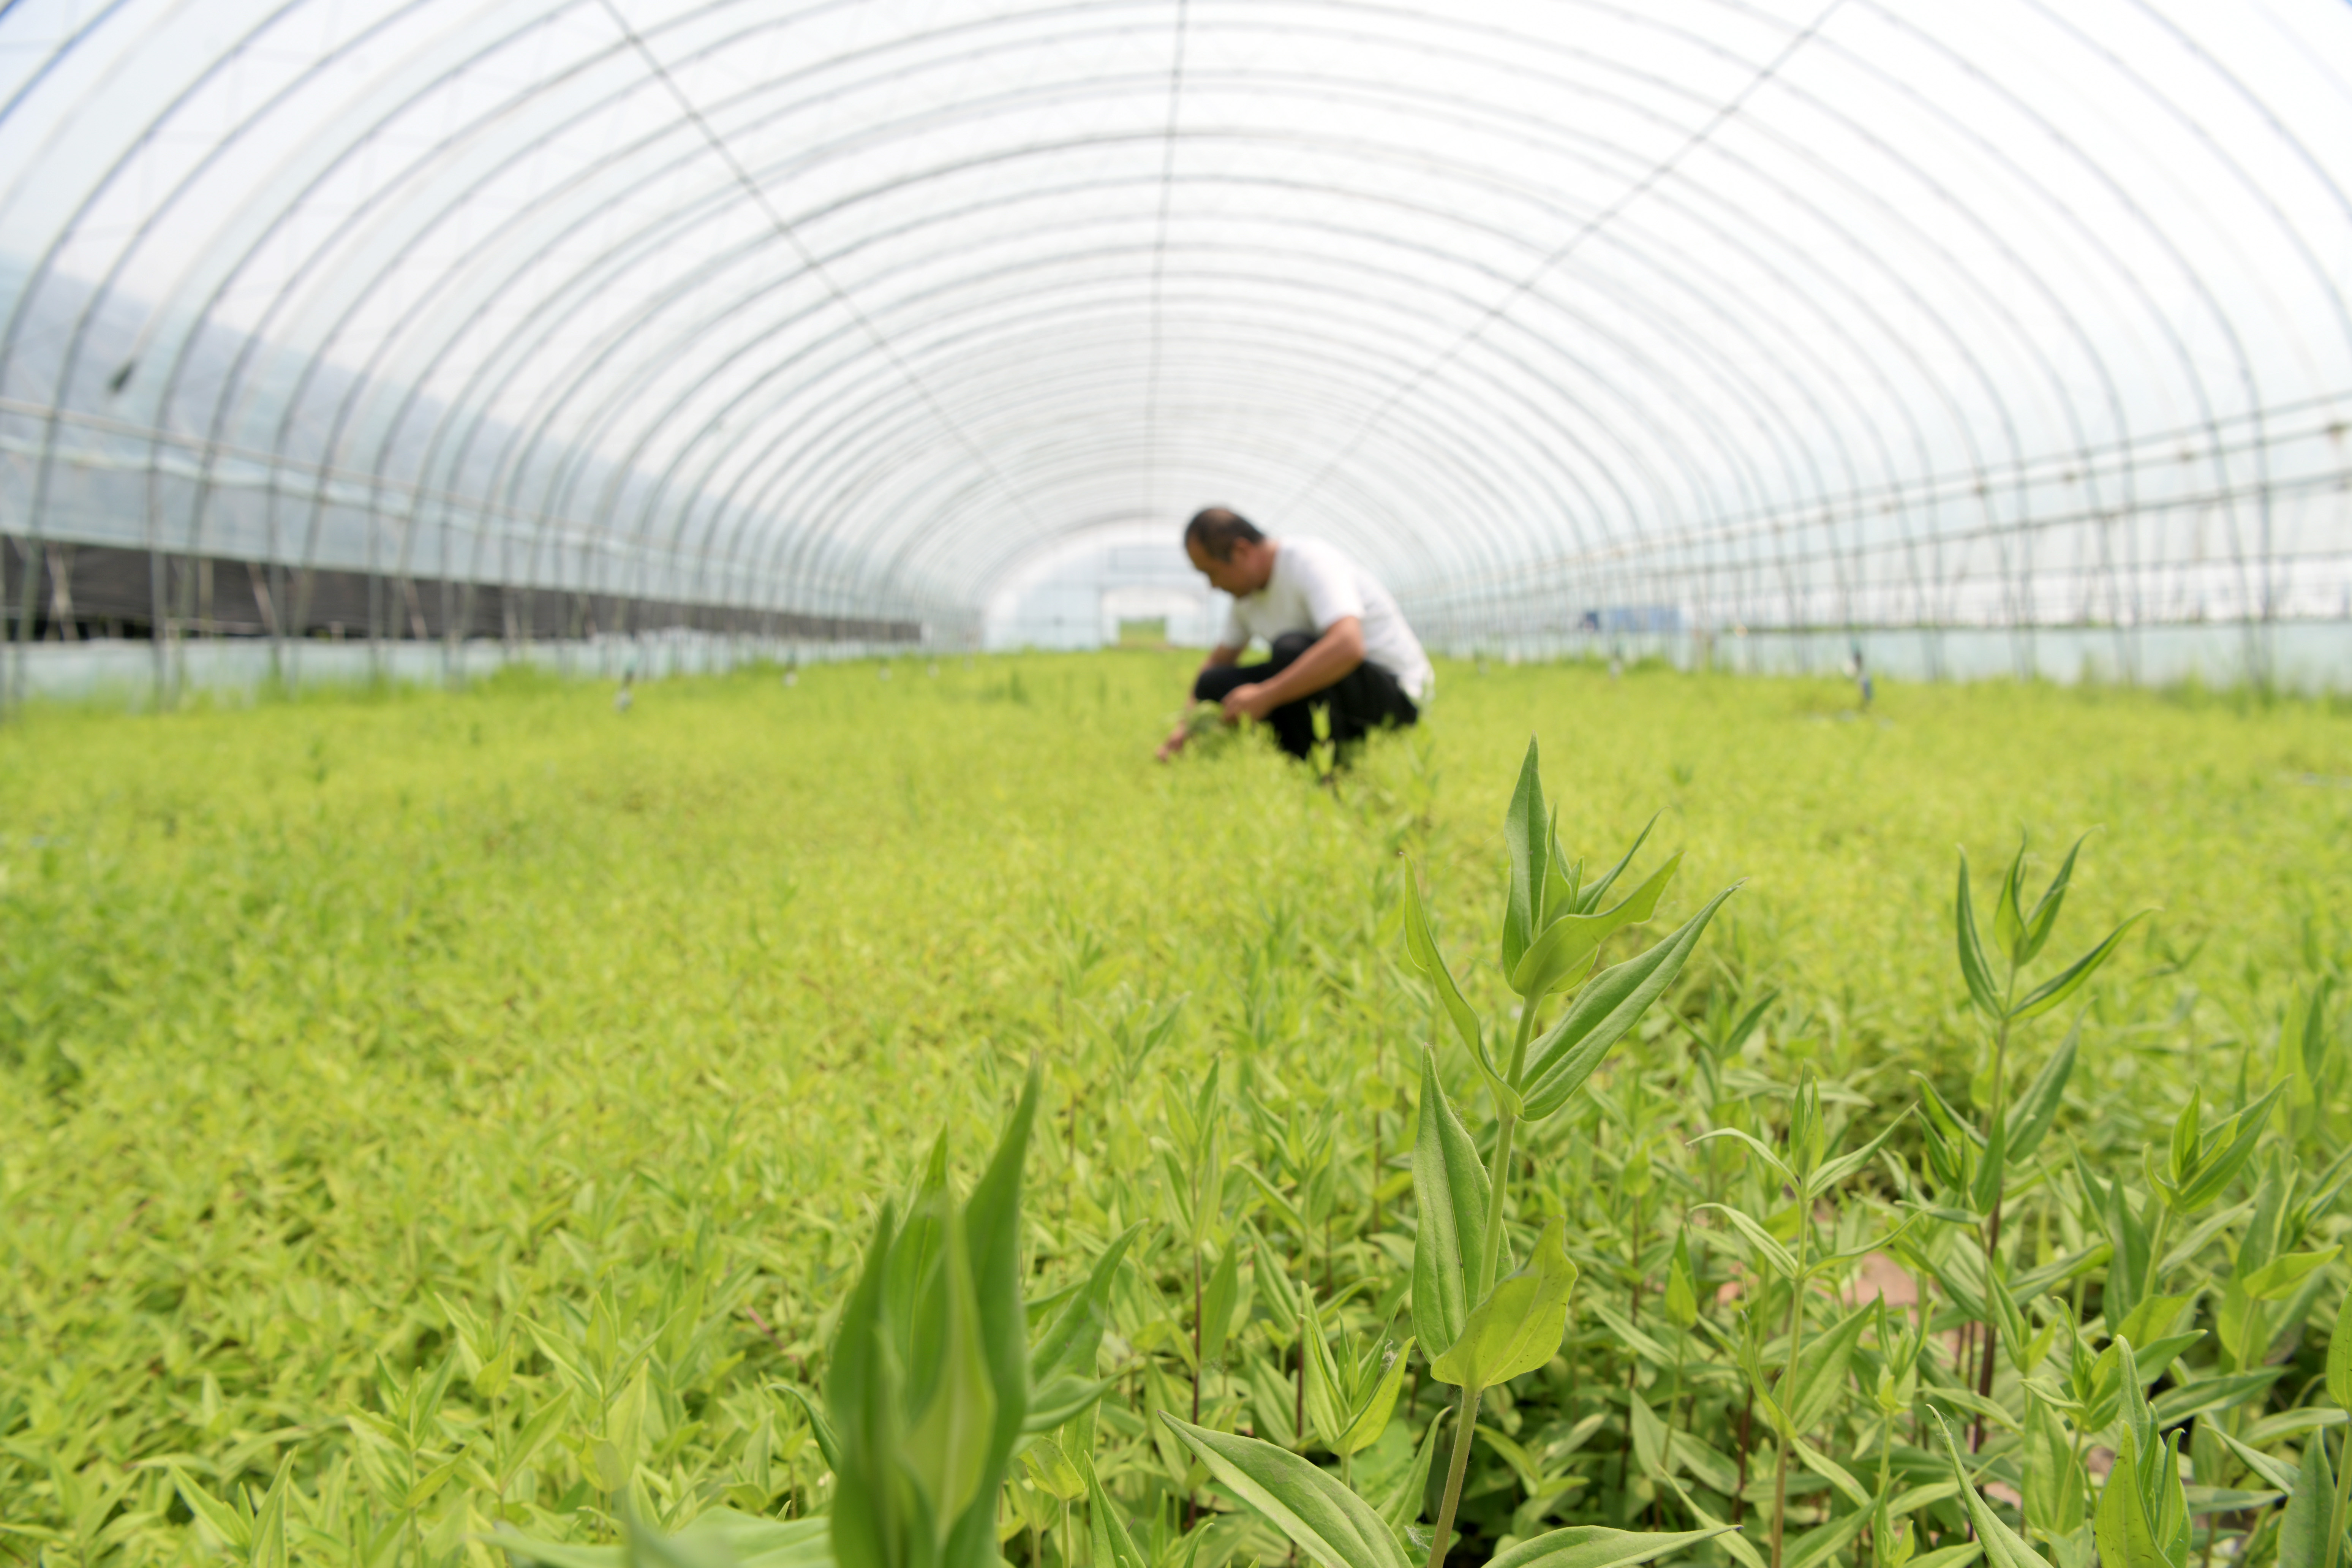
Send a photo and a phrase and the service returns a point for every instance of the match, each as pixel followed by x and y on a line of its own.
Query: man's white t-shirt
pixel 1313 585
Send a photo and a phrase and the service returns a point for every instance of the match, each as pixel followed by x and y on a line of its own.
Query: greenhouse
pixel 431 324
pixel 1176 783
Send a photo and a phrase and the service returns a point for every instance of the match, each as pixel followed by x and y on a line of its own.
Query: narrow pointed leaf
pixel 2302 1529
pixel 1217 1305
pixel 1326 1403
pixel 1566 950
pixel 991 1221
pixel 1450 1194
pixel 1518 1328
pixel 2339 1357
pixel 2043 916
pixel 1525 842
pixel 1374 1419
pixel 2030 1119
pixel 1973 968
pixel 2008 921
pixel 1328 1523
pixel 2052 992
pixel 828 1442
pixel 1114 1546
pixel 1611 1002
pixel 2214 1174
pixel 947 1448
pixel 1403 1505
pixel 2280 1277
pixel 1596 1546
pixel 1783 1262
pixel 1069 1342
pixel 2005 1548
pixel 1590 898
pixel 1421 945
pixel 1821 1371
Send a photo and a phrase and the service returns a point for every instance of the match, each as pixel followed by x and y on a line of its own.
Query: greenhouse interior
pixel 1176 783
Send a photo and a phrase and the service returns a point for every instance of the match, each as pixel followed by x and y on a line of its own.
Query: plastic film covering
pixel 1688 314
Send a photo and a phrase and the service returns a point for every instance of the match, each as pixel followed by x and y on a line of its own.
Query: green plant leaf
pixel 1822 1543
pixel 2073 978
pixel 721 1535
pixel 2280 1277
pixel 991 1222
pixel 1568 947
pixel 2030 1118
pixel 235 1531
pixel 1518 1328
pixel 2302 1529
pixel 820 1426
pixel 2043 917
pixel 1560 890
pixel 1114 1546
pixel 1832 1171
pixel 1611 1002
pixel 1329 1523
pixel 1595 1546
pixel 947 1447
pixel 2054 1478
pixel 2277 1472
pixel 1060 1400
pixel 1450 1194
pixel 1326 1401
pixel 1783 1261
pixel 1526 844
pixel 1589 898
pixel 1373 1418
pixel 2339 1357
pixel 1402 1506
pixel 1068 1345
pixel 2182 1401
pixel 1973 969
pixel 1421 945
pixel 1821 1371
pixel 2008 923
pixel 2003 1547
pixel 2214 1173
pixel 1217 1304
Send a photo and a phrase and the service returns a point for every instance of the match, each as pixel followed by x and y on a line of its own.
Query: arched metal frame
pixel 1810 315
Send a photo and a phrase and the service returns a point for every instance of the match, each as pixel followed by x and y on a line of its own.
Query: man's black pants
pixel 1360 701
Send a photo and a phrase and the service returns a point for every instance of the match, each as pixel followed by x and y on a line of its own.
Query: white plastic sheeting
pixel 1819 315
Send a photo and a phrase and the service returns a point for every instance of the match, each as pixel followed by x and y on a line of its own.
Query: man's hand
pixel 1172 744
pixel 1254 701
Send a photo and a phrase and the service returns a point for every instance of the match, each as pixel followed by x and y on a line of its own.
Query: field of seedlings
pixel 878 1117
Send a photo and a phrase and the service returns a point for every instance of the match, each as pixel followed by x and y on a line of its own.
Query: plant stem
pixel 1191 1503
pixel 1196 1336
pixel 1747 1417
pixel 1490 1253
pixel 1505 1125
pixel 1674 1408
pixel 1789 1380
pixel 2342 1493
pixel 1466 1422
pixel 1633 1364
pixel 1994 1132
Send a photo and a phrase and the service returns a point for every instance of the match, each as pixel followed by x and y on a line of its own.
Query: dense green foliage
pixel 441 1113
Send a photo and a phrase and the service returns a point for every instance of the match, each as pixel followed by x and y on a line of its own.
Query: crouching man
pixel 1336 638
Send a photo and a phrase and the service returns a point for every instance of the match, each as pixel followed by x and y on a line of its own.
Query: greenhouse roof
pixel 1815 313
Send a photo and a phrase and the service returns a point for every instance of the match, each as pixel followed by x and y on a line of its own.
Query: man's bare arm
pixel 1328 662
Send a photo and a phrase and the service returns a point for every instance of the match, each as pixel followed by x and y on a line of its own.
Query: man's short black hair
pixel 1218 529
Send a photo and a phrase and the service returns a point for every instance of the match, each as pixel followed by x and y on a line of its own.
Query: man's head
pixel 1229 551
